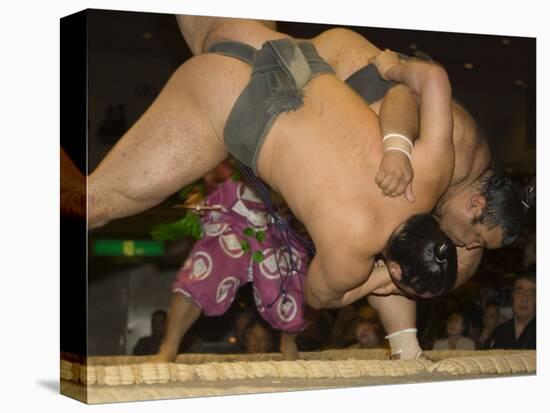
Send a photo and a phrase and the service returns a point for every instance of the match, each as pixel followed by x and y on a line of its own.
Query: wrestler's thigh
pixel 170 146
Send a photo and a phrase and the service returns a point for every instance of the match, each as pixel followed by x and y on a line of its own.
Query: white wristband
pixel 398 135
pixel 395 148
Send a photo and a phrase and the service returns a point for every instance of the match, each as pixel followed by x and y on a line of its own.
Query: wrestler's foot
pixel 423 356
pixel 162 357
pixel 290 354
pixel 419 356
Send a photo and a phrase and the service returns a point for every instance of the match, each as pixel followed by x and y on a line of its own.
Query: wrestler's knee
pixel 195 29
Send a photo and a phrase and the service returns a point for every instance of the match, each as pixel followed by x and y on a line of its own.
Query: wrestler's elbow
pixel 437 79
pixel 319 298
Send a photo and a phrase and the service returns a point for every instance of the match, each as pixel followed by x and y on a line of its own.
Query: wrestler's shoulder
pixel 350 227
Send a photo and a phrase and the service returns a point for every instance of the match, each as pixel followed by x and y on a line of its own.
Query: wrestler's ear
pixel 395 270
pixel 475 205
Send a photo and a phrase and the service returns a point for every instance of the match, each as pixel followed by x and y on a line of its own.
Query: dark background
pixel 131 55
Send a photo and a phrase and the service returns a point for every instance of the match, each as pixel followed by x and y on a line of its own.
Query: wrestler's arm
pixel 398 115
pixel 431 83
pixel 337 284
pixel 425 101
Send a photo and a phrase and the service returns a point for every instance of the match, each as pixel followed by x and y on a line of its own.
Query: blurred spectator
pixel 242 320
pixel 151 344
pixel 491 315
pixel 456 335
pixel 342 333
pixel 258 337
pixel 368 329
pixel 520 332
pixel 529 251
pixel 315 335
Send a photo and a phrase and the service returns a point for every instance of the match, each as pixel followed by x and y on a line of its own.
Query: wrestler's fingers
pixel 400 189
pixel 380 176
pixel 384 184
pixel 392 186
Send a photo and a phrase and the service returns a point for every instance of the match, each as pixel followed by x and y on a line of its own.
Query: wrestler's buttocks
pixel 308 148
pixel 305 147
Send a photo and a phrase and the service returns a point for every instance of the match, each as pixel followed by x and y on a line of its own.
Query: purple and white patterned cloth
pixel 222 261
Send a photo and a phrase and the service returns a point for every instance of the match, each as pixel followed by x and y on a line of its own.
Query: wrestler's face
pixel 458 219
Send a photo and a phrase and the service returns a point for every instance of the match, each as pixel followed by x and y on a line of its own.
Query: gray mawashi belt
pixel 280 70
pixel 368 83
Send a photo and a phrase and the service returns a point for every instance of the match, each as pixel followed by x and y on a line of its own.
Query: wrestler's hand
pixel 395 175
pixel 384 61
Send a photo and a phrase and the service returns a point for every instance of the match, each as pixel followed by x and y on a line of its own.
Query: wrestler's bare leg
pixel 73 188
pixel 288 346
pixel 201 32
pixel 170 146
pixel 398 314
pixel 182 315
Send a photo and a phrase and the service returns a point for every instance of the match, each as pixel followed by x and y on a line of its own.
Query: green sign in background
pixel 128 248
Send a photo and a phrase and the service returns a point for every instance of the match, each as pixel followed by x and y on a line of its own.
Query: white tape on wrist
pixel 398 135
pixel 395 148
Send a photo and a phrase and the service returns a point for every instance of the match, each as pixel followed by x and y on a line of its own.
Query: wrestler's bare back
pixel 321 159
pixel 346 51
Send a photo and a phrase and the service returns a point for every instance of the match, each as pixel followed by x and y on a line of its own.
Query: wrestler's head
pixel 421 259
pixel 489 213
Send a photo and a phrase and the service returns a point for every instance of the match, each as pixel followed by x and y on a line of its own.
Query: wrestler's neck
pixel 463 187
pixel 458 190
